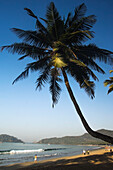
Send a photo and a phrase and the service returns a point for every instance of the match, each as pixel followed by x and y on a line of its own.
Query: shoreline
pixel 97 159
pixel 25 157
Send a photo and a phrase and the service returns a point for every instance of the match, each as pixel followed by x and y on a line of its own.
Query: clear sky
pixel 27 113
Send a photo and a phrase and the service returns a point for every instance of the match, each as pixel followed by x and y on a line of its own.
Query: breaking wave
pixel 11 152
pixel 20 151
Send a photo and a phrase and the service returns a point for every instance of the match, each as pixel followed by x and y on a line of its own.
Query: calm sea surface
pixel 18 152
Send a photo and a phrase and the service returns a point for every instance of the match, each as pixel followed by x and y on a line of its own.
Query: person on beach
pixel 84 152
pixel 88 152
pixel 110 150
pixel 35 158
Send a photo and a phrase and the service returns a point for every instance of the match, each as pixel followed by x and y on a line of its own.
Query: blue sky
pixel 27 113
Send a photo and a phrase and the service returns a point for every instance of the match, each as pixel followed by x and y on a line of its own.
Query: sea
pixel 11 153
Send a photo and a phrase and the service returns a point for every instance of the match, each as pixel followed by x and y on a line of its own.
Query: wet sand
pixel 97 160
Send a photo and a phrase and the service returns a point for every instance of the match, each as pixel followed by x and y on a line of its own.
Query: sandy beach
pixel 97 160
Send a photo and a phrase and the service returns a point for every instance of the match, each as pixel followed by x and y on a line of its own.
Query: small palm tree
pixel 58 50
pixel 109 82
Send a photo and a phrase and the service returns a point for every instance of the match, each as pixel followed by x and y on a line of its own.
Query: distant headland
pixel 85 139
pixel 8 138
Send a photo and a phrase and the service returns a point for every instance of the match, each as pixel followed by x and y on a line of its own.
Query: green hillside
pixel 7 138
pixel 85 139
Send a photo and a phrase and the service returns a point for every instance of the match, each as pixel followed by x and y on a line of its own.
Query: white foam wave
pixel 25 151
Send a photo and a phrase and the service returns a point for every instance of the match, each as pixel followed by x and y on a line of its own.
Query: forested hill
pixel 7 138
pixel 85 139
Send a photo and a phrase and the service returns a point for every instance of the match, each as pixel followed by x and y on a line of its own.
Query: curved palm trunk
pixel 87 127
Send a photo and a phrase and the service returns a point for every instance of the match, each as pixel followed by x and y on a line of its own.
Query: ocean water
pixel 18 152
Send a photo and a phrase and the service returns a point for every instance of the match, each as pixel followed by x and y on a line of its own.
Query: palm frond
pixel 67 20
pixel 82 76
pixel 83 67
pixel 33 37
pixel 55 23
pixel 111 86
pixel 76 72
pixel 89 87
pixel 110 89
pixel 76 37
pixel 23 75
pixel 111 71
pixel 34 66
pixel 108 82
pixel 44 20
pixel 86 23
pixel 85 32
pixel 24 56
pixel 52 14
pixel 41 27
pixel 79 12
pixel 30 13
pixel 54 86
pixel 87 59
pixel 80 36
pixel 43 78
pixel 93 52
pixel 29 50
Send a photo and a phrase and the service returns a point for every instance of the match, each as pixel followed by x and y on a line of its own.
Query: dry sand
pixel 97 160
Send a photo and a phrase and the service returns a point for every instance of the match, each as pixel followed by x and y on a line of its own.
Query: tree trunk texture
pixel 93 133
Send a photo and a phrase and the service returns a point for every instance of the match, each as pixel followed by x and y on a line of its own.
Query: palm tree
pixel 58 50
pixel 109 82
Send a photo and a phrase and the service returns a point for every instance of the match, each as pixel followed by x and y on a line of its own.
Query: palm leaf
pixel 111 71
pixel 76 37
pixel 82 76
pixel 110 90
pixel 79 12
pixel 86 23
pixel 23 48
pixel 23 75
pixel 21 58
pixel 89 87
pixel 33 37
pixel 107 82
pixel 82 66
pixel 30 12
pixel 43 78
pixel 55 24
pixel 110 83
pixel 52 14
pixel 34 66
pixel 54 86
pixel 67 20
pixel 93 52
pixel 86 57
pixel 40 27
pixel 77 72
pixel 44 20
